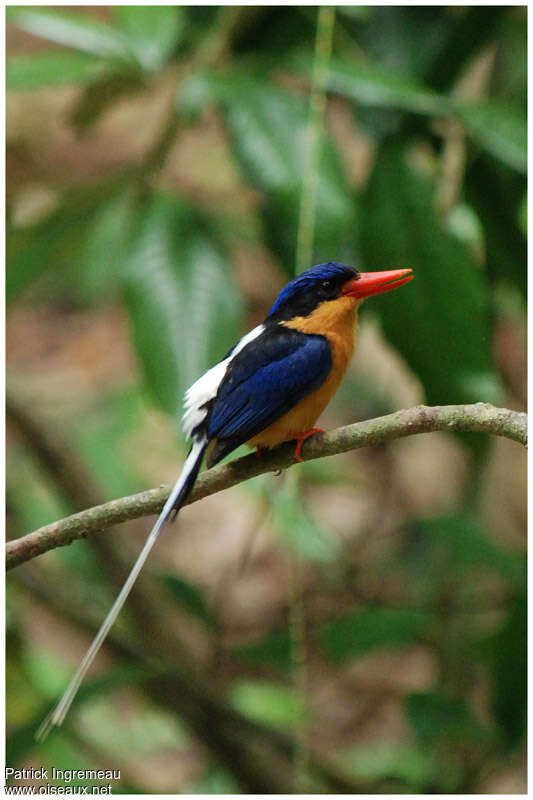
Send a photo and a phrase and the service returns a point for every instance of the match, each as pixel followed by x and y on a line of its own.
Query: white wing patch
pixel 205 388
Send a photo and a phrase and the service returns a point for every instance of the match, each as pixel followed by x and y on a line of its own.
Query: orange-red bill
pixel 367 284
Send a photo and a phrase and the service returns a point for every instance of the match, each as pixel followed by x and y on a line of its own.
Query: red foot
pixel 300 439
pixel 259 451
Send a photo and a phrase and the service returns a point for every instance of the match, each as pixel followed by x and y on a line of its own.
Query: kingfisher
pixel 271 387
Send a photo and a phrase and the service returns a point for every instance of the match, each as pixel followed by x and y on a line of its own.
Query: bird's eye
pixel 327 288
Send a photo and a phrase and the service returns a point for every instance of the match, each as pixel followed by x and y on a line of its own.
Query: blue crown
pixel 310 278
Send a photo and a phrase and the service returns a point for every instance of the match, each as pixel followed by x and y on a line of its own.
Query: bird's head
pixel 330 282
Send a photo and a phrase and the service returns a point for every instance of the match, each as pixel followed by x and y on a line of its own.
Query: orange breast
pixel 337 321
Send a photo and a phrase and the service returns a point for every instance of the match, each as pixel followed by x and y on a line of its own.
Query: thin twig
pixel 480 417
pixel 306 225
pixel 304 257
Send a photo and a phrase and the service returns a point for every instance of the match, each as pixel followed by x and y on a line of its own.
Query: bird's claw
pixel 301 439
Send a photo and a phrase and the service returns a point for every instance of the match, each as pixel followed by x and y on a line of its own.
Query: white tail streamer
pixel 192 463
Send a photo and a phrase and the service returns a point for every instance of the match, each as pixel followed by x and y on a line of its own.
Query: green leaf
pixel 436 717
pixel 299 530
pixel 103 433
pixel 273 649
pixel 56 241
pixel 102 94
pixel 465 34
pixel 495 191
pixel 30 495
pixel 266 702
pixel 385 760
pixel 499 129
pixel 150 730
pixel 375 86
pixel 22 738
pixel 152 32
pixel 194 94
pixel 63 749
pixel 77 31
pixel 440 321
pixel 356 13
pixel 405 40
pixel 268 129
pixel 522 216
pixel 213 781
pixel 468 546
pixel 508 657
pixel 363 630
pixel 190 598
pixel 511 77
pixel 183 304
pixel 105 247
pixel 466 226
pixel 53 68
pixel 47 671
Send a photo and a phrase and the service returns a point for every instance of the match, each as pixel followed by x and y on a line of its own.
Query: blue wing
pixel 264 381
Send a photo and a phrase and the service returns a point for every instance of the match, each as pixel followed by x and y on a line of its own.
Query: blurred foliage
pixel 422 165
pixel 267 127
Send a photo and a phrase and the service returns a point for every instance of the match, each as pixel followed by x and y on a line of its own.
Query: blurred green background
pixel 154 164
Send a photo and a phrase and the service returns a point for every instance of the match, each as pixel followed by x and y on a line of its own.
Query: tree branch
pixel 481 417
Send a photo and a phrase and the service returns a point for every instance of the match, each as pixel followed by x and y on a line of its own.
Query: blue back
pixel 266 379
